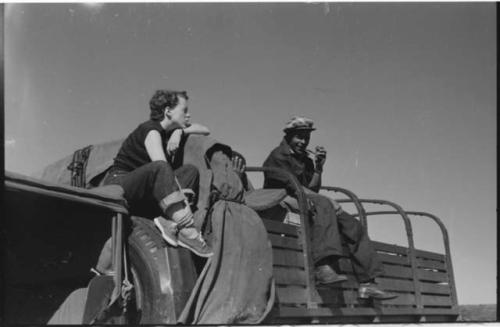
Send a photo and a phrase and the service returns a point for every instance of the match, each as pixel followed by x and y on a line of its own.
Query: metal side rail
pixel 412 251
pixel 415 256
pixel 352 198
pixel 446 241
pixel 304 227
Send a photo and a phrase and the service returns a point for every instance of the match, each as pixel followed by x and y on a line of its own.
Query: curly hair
pixel 163 99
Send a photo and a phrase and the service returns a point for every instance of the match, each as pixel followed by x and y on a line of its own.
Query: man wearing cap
pixel 330 223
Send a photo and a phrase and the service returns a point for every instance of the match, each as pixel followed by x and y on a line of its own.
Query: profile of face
pixel 179 114
pixel 187 119
pixel 299 140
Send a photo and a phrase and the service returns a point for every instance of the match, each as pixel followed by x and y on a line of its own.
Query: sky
pixel 403 96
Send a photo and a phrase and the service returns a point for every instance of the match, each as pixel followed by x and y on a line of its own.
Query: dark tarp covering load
pixel 90 167
pixel 236 284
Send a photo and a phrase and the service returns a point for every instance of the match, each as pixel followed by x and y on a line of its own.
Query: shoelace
pixel 202 240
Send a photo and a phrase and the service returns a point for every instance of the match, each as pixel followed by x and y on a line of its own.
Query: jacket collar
pixel 284 148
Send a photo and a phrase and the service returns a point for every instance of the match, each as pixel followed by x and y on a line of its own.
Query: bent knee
pixel 189 169
pixel 159 166
pixel 356 230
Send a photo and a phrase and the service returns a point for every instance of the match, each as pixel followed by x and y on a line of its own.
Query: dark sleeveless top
pixel 133 153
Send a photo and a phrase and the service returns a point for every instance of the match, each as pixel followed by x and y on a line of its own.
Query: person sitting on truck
pixel 153 186
pixel 331 224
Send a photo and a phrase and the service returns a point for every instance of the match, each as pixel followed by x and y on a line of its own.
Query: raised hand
pixel 320 155
pixel 238 165
pixel 174 142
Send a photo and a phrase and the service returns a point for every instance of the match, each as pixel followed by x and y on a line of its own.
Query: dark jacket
pixel 302 167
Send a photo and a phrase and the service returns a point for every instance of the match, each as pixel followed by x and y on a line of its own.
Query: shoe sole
pixel 204 255
pixel 165 236
pixel 338 280
pixel 379 298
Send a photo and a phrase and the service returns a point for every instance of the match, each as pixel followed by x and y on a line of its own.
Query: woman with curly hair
pixel 143 168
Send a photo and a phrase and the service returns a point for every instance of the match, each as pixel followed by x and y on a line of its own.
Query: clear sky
pixel 403 96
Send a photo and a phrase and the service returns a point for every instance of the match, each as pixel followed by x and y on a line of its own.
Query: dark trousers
pixel 149 185
pixel 145 188
pixel 329 231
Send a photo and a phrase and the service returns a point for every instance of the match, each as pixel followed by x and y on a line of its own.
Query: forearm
pixel 196 129
pixel 315 183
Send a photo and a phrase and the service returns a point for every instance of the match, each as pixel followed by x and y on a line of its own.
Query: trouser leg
pixel 325 237
pixel 365 260
pixel 151 189
pixel 145 189
pixel 189 179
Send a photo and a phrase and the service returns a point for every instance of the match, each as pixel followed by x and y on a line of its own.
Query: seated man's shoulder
pixel 279 152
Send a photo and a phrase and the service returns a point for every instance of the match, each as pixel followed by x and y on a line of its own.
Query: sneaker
pixel 367 290
pixel 326 275
pixel 168 230
pixel 196 245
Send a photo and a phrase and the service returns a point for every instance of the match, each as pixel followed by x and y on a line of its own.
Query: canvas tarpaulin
pixel 236 284
pixel 99 160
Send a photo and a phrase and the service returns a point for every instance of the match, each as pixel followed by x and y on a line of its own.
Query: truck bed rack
pixel 423 280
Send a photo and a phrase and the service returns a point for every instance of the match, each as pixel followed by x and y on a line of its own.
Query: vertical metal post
pixel 411 250
pixel 449 267
pixel 304 228
pixel 113 239
pixel 117 251
pixel 305 235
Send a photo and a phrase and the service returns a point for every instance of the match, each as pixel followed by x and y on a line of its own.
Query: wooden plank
pixel 399 285
pixel 277 227
pixel 424 263
pixel 436 300
pixel 390 284
pixel 279 241
pixel 389 270
pixel 430 255
pixel 290 276
pixel 441 318
pixel 337 298
pixel 291 294
pixel 328 312
pixel 342 298
pixel 394 259
pixel 288 258
pixel 397 271
pixel 434 276
pixel 402 299
pixel 391 248
pixel 346 312
pixel 434 288
pixel 440 311
pixel 384 257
